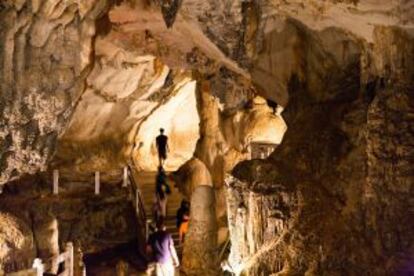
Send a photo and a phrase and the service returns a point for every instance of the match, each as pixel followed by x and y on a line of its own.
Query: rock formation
pixel 123 126
pixel 225 137
pixel 45 58
pixel 45 222
pixel 46 234
pixel 191 175
pixel 200 247
pixel 85 86
pixel 17 243
pixel 327 201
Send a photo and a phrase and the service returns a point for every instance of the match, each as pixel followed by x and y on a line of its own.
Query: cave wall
pixel 345 80
pixel 129 97
pixel 16 238
pixel 101 133
pixel 44 72
pixel 390 151
pixel 327 201
pixel 45 58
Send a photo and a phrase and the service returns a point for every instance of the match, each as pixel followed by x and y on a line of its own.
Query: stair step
pixel 146 182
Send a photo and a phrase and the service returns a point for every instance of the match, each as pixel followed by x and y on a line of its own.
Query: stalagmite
pixel 289 124
pixel 200 251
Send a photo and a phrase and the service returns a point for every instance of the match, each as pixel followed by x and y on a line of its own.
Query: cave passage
pixel 86 86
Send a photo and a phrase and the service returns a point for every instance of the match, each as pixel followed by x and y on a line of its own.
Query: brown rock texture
pixel 191 175
pixel 45 57
pixel 46 235
pixel 95 223
pixel 334 198
pixel 130 95
pixel 49 50
pixel 16 241
pixel 94 80
pixel 200 246
pixel 225 136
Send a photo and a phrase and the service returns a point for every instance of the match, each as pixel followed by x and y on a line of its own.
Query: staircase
pixel 146 182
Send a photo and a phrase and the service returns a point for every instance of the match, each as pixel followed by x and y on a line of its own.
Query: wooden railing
pixel 67 257
pixel 127 177
pixel 39 267
pixel 96 180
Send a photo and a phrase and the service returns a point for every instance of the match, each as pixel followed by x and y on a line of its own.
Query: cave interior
pixel 290 128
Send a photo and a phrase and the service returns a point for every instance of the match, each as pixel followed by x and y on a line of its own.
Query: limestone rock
pixel 95 224
pixel 191 175
pixel 333 202
pixel 46 233
pixel 260 217
pixel 43 65
pixel 200 257
pixel 101 77
pixel 16 239
pixel 44 71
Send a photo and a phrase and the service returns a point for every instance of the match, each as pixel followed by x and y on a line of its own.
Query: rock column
pixel 46 235
pixel 200 247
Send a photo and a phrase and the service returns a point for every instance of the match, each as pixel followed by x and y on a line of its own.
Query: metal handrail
pixel 224 247
pixel 139 202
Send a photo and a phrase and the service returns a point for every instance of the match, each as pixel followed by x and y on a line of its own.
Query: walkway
pixel 128 253
pixel 146 182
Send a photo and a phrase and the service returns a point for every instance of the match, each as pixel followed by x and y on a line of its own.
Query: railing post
pixel 97 183
pixel 137 201
pixel 55 182
pixel 125 178
pixel 69 260
pixel 147 223
pixel 38 265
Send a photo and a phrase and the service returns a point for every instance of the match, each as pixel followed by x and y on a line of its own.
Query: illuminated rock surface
pixel 86 85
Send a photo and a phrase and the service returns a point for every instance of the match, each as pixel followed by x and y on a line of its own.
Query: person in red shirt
pixel 184 227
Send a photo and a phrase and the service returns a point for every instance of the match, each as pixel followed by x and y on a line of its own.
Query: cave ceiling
pixel 50 50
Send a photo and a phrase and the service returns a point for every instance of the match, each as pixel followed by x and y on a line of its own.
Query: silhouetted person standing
pixel 162 189
pixel 272 104
pixel 162 146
